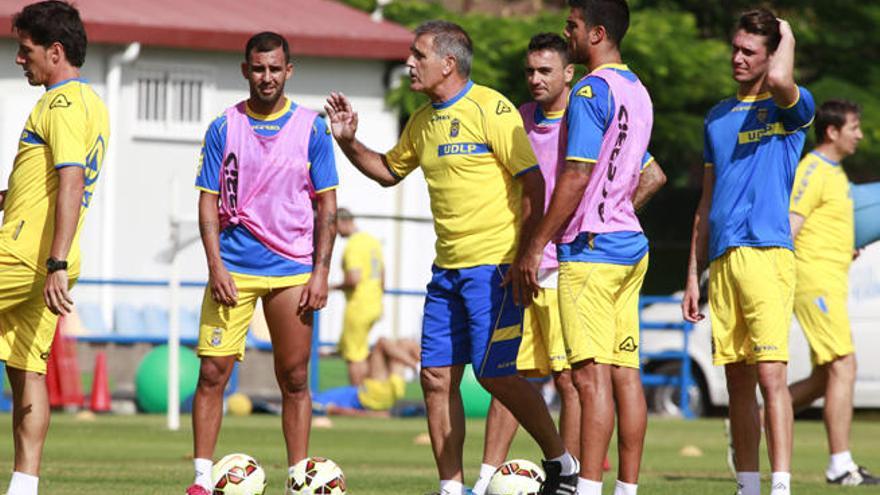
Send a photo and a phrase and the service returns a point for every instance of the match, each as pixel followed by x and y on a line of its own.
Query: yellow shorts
pixel 222 329
pixel 599 306
pixel 27 327
pixel 381 395
pixel 825 320
pixel 751 292
pixel 542 349
pixel 358 320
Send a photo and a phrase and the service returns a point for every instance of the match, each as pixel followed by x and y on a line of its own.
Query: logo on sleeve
pixel 586 91
pixel 502 108
pixel 60 101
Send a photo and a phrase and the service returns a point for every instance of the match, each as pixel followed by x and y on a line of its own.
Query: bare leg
pixel 632 417
pixel 593 383
pixel 440 385
pixel 806 391
pixel 208 403
pixel 357 371
pixel 839 402
pixel 30 418
pixel 501 427
pixel 780 416
pixel 569 412
pixel 745 428
pixel 291 343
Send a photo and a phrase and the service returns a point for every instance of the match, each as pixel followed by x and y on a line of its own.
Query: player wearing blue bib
pixel 752 146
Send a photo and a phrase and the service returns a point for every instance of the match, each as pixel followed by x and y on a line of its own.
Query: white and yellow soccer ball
pixel 516 477
pixel 316 476
pixel 238 474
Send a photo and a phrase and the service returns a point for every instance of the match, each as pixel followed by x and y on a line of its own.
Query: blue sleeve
pixel 708 154
pixel 588 116
pixel 211 157
pixel 801 113
pixel 646 160
pixel 323 163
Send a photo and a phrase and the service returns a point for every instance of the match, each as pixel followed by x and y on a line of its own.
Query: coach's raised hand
pixel 343 120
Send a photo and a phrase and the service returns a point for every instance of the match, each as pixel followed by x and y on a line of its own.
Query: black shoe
pixel 555 483
pixel 856 477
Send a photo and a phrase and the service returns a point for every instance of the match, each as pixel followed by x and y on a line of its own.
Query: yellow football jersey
pixel 68 127
pixel 470 149
pixel 363 252
pixel 824 246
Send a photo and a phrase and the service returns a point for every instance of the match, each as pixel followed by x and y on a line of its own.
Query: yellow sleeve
pixel 403 158
pixel 807 192
pixel 65 129
pixel 506 136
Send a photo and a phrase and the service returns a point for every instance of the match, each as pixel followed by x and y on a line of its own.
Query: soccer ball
pixel 238 474
pixel 316 476
pixel 516 477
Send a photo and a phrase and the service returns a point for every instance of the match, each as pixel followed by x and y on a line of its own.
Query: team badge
pixel 454 128
pixel 59 101
pixel 762 115
pixel 502 108
pixel 586 91
pixel 216 337
pixel 628 345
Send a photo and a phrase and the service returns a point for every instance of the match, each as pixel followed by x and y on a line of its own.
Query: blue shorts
pixel 346 397
pixel 470 318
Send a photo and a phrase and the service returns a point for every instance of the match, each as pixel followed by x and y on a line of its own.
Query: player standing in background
pixel 602 251
pixel 821 216
pixel 50 188
pixel 486 192
pixel 752 145
pixel 264 162
pixel 364 286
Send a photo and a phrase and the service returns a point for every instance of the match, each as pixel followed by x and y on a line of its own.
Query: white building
pixel 166 68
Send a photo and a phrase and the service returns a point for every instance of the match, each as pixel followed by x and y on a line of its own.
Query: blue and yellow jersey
pixel 363 253
pixel 68 127
pixel 240 250
pixel 471 149
pixel 753 146
pixel 591 110
pixel 824 246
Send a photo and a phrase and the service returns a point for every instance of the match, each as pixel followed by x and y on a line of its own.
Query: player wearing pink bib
pixel 265 162
pixel 602 250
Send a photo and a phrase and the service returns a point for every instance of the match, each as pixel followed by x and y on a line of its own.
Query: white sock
pixel 486 472
pixel 203 473
pixel 23 484
pixel 748 483
pixel 570 465
pixel 840 464
pixel 589 487
pixel 451 487
pixel 621 488
pixel 780 483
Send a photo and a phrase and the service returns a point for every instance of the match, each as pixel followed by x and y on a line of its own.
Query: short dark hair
pixel 613 15
pixel 833 113
pixel 266 42
pixel 552 42
pixel 450 39
pixel 344 214
pixel 54 21
pixel 762 22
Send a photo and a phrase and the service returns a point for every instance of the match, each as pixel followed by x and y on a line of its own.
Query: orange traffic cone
pixel 100 401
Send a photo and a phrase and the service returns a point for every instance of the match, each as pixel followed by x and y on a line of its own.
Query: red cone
pixel 100 386
pixel 63 371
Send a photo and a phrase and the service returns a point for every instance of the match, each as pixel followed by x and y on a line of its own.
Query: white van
pixel 710 390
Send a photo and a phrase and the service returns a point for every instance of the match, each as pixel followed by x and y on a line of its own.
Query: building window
pixel 171 103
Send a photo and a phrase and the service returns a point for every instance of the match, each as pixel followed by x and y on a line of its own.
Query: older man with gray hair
pixel 487 193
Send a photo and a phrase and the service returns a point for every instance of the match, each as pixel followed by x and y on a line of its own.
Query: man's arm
pixel 68 203
pixel 220 282
pixel 525 284
pixel 314 296
pixel 698 258
pixel 343 124
pixel 780 74
pixel 2 199
pixel 650 181
pixel 797 222
pixel 350 279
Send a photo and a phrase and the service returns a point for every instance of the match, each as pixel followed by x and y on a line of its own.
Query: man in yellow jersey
pixel 364 285
pixel 51 186
pixel 486 192
pixel 821 216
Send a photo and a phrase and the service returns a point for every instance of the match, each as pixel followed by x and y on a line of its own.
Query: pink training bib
pixel 607 202
pixel 265 184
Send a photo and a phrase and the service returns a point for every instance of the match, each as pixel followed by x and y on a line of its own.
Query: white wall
pixel 146 167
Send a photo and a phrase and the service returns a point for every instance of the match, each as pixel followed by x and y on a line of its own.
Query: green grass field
pixel 137 455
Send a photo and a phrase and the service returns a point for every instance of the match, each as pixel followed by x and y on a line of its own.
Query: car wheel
pixel 665 399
